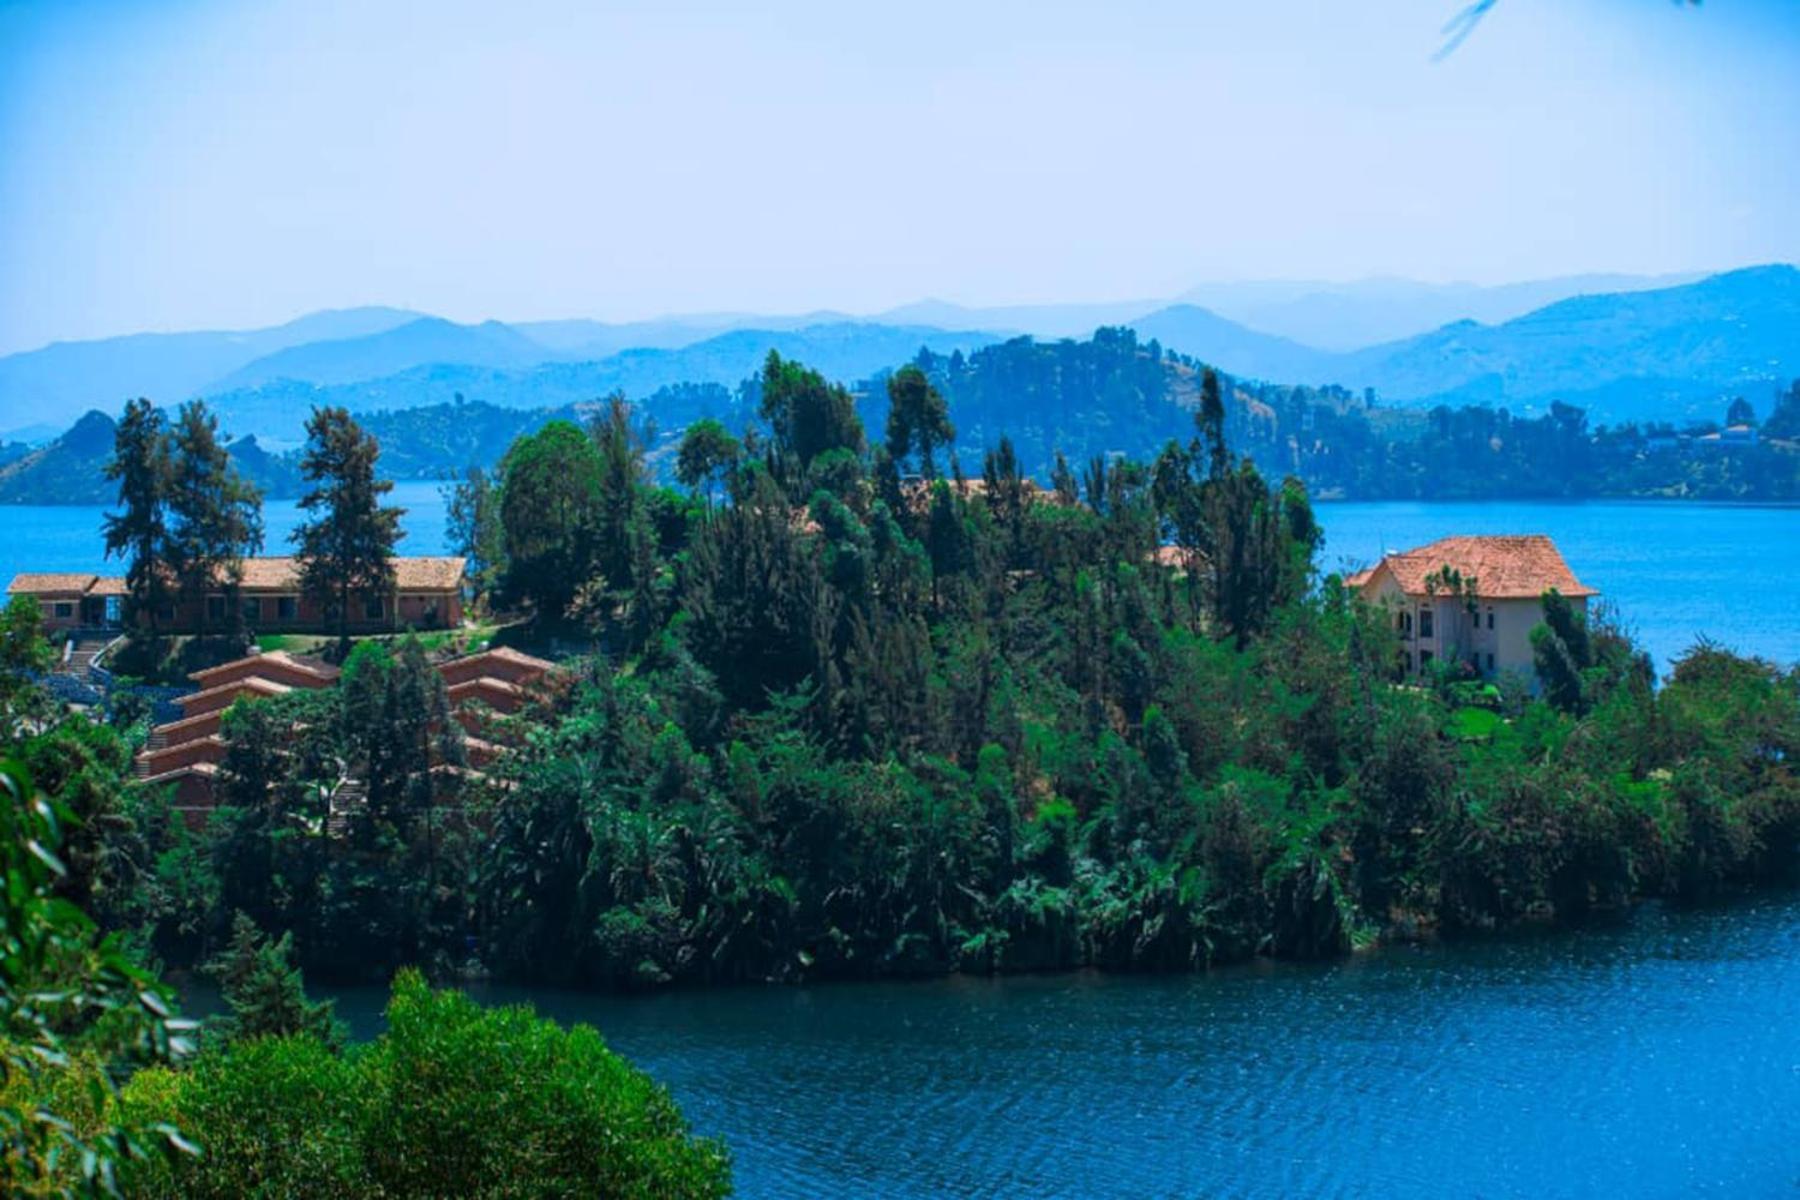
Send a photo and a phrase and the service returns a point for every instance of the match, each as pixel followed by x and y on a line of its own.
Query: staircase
pixel 80 650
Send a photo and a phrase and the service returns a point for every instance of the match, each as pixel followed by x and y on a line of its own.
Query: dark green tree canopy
pixel 918 418
pixel 807 415
pixel 139 532
pixel 346 545
pixel 551 492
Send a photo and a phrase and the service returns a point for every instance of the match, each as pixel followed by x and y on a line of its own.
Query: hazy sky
pixel 203 164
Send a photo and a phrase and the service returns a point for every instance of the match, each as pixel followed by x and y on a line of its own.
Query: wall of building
pixel 1458 635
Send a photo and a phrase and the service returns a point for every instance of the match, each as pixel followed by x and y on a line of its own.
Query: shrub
pixel 453 1100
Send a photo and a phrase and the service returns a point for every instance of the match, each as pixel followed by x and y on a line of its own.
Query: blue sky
pixel 202 164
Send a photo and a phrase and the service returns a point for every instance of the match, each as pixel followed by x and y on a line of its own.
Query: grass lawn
pixel 463 640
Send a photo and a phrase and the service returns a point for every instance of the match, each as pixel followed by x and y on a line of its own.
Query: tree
pixel 453 1099
pixel 707 452
pixel 1561 652
pixel 215 515
pixel 263 990
pixel 918 419
pixel 23 654
pixel 622 478
pixel 807 415
pixel 346 547
pixel 1740 412
pixel 474 529
pixel 550 495
pixel 74 1008
pixel 1784 422
pixel 140 533
pixel 1211 418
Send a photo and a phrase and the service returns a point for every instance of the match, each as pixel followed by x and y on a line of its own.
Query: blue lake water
pixel 1659 1057
pixel 1674 570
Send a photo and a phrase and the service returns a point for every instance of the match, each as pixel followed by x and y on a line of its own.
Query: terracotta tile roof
pixel 109 585
pixel 205 770
pixel 484 683
pixel 237 687
pixel 423 573
pixel 305 666
pixel 1178 557
pixel 51 583
pixel 1510 567
pixel 1357 578
pixel 504 654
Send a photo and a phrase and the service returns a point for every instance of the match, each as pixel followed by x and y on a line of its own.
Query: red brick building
pixel 427 594
pixel 184 755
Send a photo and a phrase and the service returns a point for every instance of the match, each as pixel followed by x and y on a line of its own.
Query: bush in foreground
pixel 453 1100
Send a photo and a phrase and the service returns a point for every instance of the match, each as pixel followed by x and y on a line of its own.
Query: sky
pixel 202 164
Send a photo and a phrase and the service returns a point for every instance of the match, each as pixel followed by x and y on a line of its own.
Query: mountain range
pixel 1643 352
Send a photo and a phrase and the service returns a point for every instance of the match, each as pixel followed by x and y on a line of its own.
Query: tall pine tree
pixel 140 533
pixel 215 514
pixel 346 547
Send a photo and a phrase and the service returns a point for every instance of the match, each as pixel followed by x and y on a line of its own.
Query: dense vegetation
pixel 843 716
pixel 452 1100
pixel 844 722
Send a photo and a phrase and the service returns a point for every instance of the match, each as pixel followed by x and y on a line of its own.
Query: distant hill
pixel 1349 316
pixel 426 340
pixel 67 470
pixel 56 384
pixel 1202 334
pixel 842 351
pixel 1664 354
pixel 71 469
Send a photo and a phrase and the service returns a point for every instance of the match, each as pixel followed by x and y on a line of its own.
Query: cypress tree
pixel 346 548
pixel 140 533
pixel 216 515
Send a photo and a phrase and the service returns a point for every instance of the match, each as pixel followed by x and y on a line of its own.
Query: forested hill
pixel 1114 395
pixel 1111 394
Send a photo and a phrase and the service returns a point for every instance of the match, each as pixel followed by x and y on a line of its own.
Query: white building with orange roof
pixel 1471 599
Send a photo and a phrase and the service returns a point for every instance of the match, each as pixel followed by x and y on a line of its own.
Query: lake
pixel 1658 1057
pixel 1675 570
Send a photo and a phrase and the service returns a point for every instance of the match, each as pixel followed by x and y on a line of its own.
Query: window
pixel 215 608
pixel 1490 657
pixel 1490 626
pixel 64 609
pixel 1424 659
pixel 1424 622
pixel 286 608
pixel 1409 665
pixel 373 608
pixel 252 609
pixel 1403 622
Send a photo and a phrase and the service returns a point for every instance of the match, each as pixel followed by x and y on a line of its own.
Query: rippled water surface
pixel 1656 1058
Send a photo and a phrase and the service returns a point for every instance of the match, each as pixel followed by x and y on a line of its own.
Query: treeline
pixel 1114 394
pixel 1110 394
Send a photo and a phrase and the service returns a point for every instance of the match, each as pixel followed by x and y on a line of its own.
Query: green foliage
pixel 807 415
pixel 918 419
pixel 263 991
pixel 551 492
pixel 345 547
pixel 73 1007
pixel 453 1100
pixel 139 533
pixel 474 530
pixel 215 515
pixel 24 653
